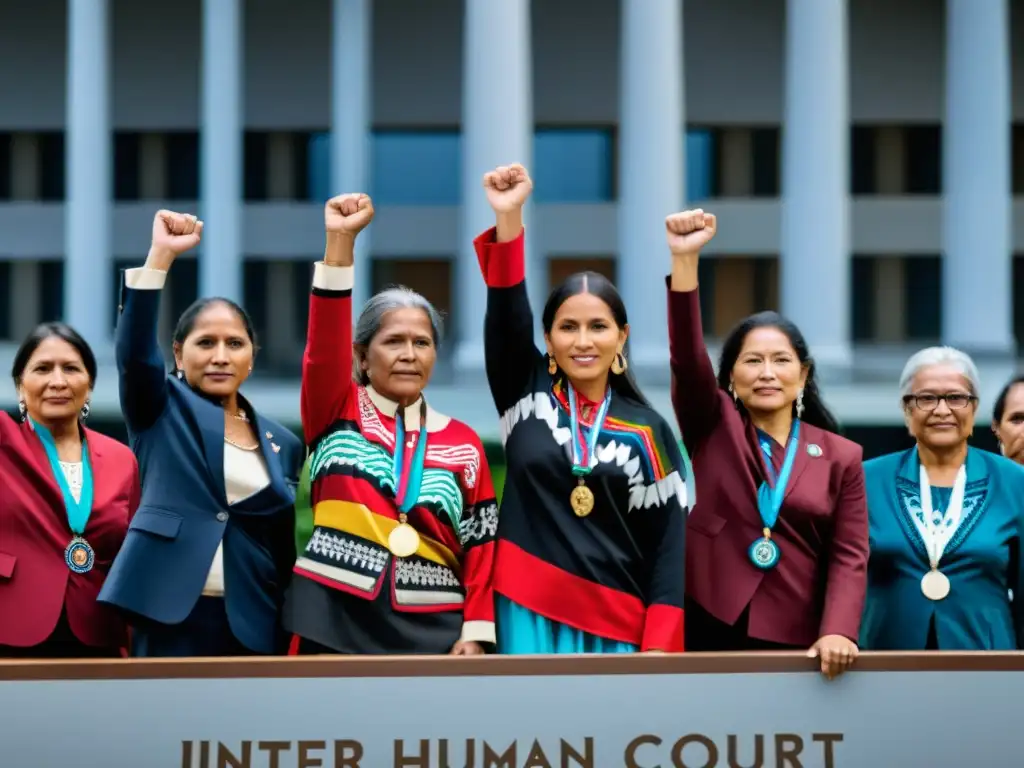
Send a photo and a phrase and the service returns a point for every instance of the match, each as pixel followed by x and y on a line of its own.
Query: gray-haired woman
pixel 404 512
pixel 947 521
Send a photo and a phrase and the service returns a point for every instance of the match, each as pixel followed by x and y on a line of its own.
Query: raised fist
pixel 689 231
pixel 173 234
pixel 507 187
pixel 348 214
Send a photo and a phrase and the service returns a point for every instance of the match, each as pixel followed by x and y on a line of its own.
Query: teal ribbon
pixel 78 511
pixel 769 497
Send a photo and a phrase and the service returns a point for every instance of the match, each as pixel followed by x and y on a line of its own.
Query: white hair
pixel 948 356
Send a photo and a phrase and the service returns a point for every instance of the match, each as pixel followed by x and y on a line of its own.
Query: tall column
pixel 815 179
pixel 497 129
pixel 651 166
pixel 977 307
pixel 88 278
pixel 351 121
pixel 220 259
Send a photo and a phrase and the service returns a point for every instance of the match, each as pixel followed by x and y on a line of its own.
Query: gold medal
pixel 403 541
pixel 581 500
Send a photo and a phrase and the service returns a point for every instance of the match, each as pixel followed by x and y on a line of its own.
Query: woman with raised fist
pixel 592 536
pixel 66 496
pixel 404 514
pixel 777 549
pixel 210 551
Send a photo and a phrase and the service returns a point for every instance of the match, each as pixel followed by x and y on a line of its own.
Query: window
pixel 254 170
pixel 765 153
pixel 430 277
pixel 5 166
pixel 923 159
pixel 255 289
pixel 51 284
pixel 51 166
pixel 183 166
pixel 1018 300
pixel 416 167
pixel 737 286
pixel 318 168
pixel 862 160
pixel 1017 153
pixel 126 166
pixel 862 302
pixel 573 165
pixel 5 300
pixel 700 150
pixel 922 297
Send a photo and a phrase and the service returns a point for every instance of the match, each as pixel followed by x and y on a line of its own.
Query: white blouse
pixel 245 475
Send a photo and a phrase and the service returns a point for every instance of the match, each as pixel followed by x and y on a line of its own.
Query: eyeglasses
pixel 929 402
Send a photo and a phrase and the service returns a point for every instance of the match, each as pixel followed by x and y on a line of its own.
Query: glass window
pixel 254 170
pixel 923 297
pixel 862 160
pixel 765 150
pixel 416 167
pixel 183 166
pixel 126 166
pixel 573 165
pixel 923 160
pixel 1017 154
pixel 700 164
pixel 5 299
pixel 1018 300
pixel 318 162
pixel 862 303
pixel 51 291
pixel 5 166
pixel 51 166
pixel 559 269
pixel 430 277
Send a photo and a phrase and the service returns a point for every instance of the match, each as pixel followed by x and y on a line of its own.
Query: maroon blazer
pixel 818 586
pixel 35 583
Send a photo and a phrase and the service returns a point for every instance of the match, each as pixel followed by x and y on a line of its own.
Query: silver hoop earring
pixel 22 410
pixel 86 410
pixel 800 404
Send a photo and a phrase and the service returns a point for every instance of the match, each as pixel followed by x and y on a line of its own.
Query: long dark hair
pixel 815 412
pixel 61 331
pixel 622 384
pixel 999 409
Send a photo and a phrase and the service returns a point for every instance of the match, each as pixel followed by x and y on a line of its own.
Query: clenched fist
pixel 689 231
pixel 348 214
pixel 507 187
pixel 173 234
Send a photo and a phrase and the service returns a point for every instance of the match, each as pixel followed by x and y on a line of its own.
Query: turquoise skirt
pixel 521 631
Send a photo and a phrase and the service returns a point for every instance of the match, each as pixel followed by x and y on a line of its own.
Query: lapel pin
pixel 814 450
pixel 276 447
pixel 269 436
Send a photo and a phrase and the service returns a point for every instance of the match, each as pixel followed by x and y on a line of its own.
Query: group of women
pixel 181 544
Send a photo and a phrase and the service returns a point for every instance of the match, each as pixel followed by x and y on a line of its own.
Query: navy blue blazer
pixel 982 560
pixel 178 438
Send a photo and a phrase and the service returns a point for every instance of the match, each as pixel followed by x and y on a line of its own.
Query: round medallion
pixel 814 450
pixel 764 554
pixel 79 555
pixel 935 585
pixel 403 541
pixel 581 500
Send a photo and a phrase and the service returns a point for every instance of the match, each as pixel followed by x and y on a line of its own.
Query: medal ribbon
pixel 78 512
pixel 585 443
pixel 938 533
pixel 769 497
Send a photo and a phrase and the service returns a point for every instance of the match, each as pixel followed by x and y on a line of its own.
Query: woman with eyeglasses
pixel 946 524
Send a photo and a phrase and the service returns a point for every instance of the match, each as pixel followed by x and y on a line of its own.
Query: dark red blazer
pixel 818 586
pixel 35 583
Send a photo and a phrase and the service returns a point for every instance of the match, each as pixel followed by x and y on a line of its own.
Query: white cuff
pixel 145 279
pixel 478 632
pixel 327 277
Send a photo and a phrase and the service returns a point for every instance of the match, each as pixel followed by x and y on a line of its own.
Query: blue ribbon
pixel 78 511
pixel 770 496
pixel 415 482
pixel 581 464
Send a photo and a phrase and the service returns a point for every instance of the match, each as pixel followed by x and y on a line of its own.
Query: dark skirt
pixel 205 632
pixel 329 621
pixel 61 644
pixel 706 633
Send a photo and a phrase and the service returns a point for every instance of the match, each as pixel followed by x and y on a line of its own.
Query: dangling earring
pixel 552 365
pixel 800 404
pixel 22 410
pixel 86 410
pixel 180 374
pixel 619 364
pixel 732 392
pixel 1002 448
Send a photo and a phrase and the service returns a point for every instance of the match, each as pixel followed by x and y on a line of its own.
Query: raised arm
pixel 663 625
pixel 696 398
pixel 142 377
pixel 327 374
pixel 509 352
pixel 478 530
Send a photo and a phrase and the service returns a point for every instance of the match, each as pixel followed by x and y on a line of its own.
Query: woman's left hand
pixel 837 654
pixel 467 648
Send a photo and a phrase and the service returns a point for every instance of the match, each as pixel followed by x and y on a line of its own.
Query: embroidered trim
pixel 909 496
